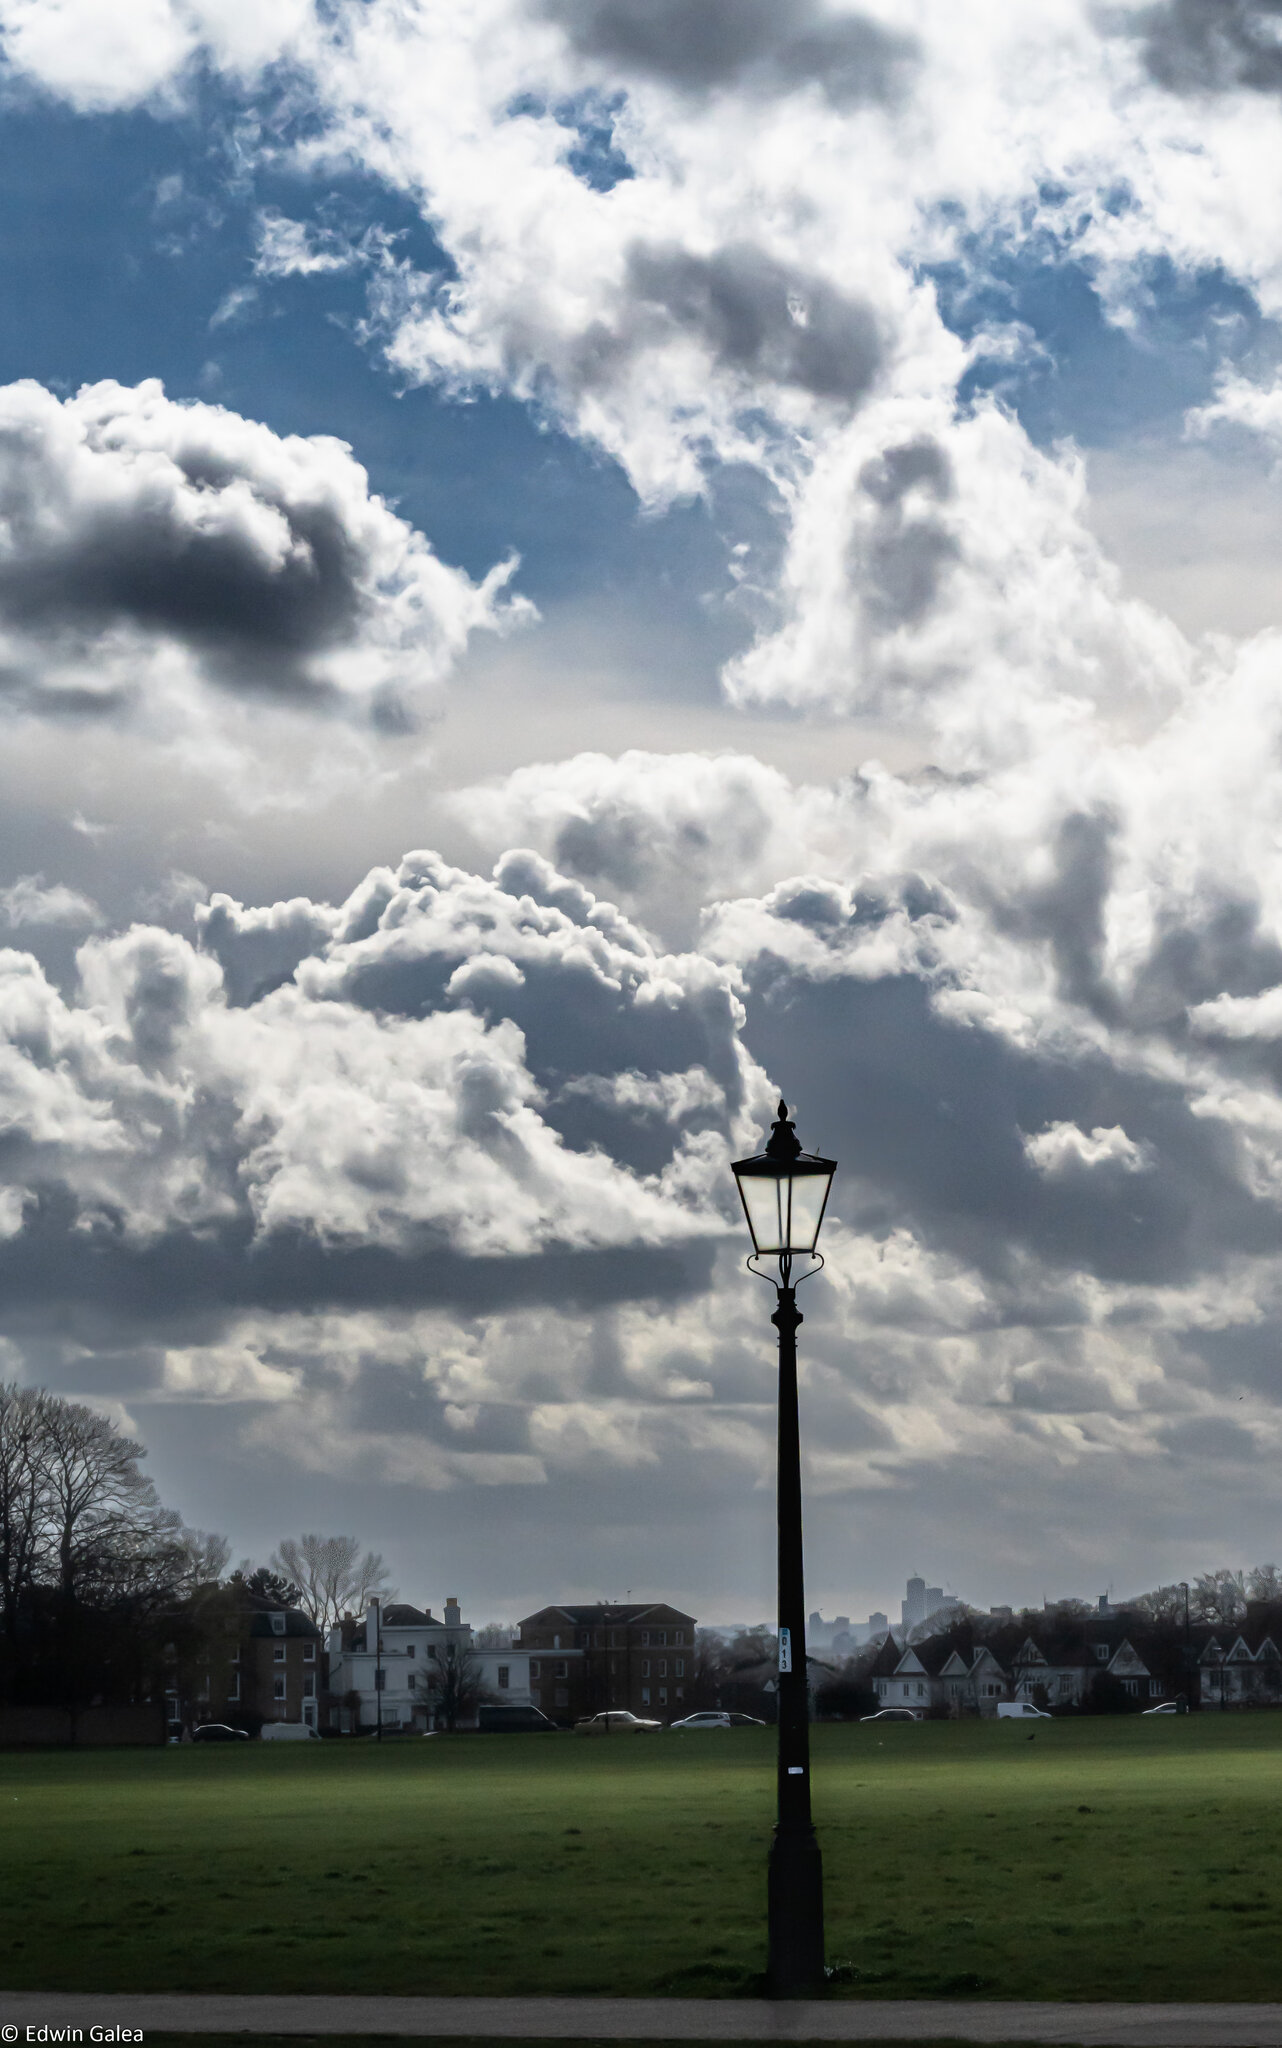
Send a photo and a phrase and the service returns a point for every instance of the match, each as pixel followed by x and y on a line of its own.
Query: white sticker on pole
pixel 785 1649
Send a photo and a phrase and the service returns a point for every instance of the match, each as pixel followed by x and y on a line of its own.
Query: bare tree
pixel 1219 1597
pixel 456 1685
pixel 331 1575
pixel 205 1558
pixel 24 1531
pixel 1164 1603
pixel 1264 1583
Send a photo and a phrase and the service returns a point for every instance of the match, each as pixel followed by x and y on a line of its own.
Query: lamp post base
pixel 795 1914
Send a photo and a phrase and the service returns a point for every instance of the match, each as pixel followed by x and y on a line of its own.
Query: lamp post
pixel 784 1192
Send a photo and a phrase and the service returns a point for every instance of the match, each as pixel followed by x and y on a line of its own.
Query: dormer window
pixel 1101 1652
pixel 278 1624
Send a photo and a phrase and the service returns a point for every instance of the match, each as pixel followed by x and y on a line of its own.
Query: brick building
pixel 584 1659
pixel 264 1664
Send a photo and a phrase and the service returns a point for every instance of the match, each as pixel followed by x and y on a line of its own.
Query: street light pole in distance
pixel 784 1193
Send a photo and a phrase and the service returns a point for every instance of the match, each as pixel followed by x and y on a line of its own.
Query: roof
pixel 593 1614
pixel 296 1623
pixel 402 1615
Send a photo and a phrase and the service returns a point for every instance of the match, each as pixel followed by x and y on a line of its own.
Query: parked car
pixel 1021 1710
pixel 708 1719
pixel 218 1731
pixel 513 1721
pixel 746 1721
pixel 288 1731
pixel 893 1714
pixel 1166 1707
pixel 616 1721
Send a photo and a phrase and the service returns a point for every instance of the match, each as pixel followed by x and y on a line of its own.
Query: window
pixel 504 1672
pixel 679 1636
pixel 556 1642
pixel 278 1654
pixel 278 1624
pixel 679 1667
pixel 1155 1688
pixel 309 1653
pixel 663 1667
pixel 645 1639
pixel 1132 1686
pixel 235 1655
pixel 309 1687
pixel 921 1690
pixel 234 1694
pixel 681 1692
pixel 411 1650
pixel 663 1695
pixel 661 1637
pixel 645 1695
pixel 278 1692
pixel 645 1667
pixel 534 1667
pixel 562 1670
pixel 410 1681
pixel 1101 1652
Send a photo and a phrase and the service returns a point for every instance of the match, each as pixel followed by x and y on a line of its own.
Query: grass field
pixel 1123 1858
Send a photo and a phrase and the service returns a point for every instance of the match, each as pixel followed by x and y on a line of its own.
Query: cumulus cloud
pixel 151 549
pixel 365 1094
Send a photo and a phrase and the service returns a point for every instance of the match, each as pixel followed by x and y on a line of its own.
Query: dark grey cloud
pixel 763 46
pixel 1201 46
pixel 1067 912
pixel 901 563
pixel 929 1119
pixel 758 316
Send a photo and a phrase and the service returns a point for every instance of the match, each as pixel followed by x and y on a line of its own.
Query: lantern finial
pixel 783 1142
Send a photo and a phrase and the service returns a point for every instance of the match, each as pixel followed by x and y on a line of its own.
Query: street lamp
pixel 784 1193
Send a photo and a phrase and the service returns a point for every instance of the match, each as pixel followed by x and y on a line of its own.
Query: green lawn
pixel 1101 1859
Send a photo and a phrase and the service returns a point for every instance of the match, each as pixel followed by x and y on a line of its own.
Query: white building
pixel 396 1654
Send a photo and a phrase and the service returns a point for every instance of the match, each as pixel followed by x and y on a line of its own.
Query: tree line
pixel 105 1595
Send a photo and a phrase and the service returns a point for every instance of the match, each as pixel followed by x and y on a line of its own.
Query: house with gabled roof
pixel 1232 1674
pixel 940 1675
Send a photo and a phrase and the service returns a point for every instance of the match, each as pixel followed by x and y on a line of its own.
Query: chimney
pixel 453 1613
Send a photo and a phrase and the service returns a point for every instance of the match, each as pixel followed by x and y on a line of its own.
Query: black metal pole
pixel 795 1881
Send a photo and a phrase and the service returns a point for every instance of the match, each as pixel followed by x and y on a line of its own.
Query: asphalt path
pixel 649 2019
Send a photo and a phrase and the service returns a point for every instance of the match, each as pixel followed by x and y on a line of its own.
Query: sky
pixel 570 567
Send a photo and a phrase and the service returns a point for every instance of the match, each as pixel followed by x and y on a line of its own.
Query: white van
pixel 288 1731
pixel 1007 1710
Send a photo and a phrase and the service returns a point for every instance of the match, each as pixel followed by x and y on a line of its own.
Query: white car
pixel 1021 1710
pixel 710 1719
pixel 616 1721
pixel 1166 1707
